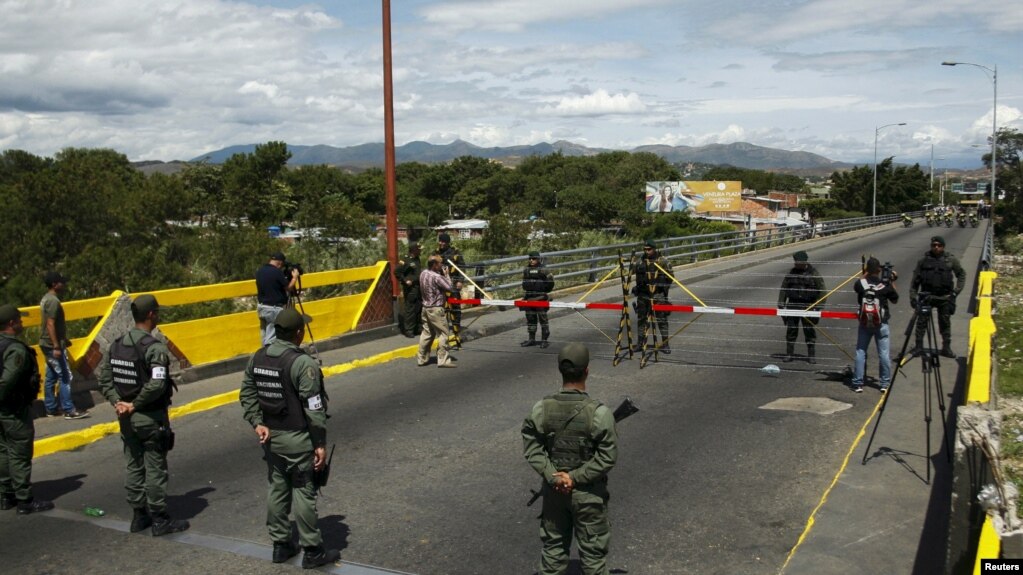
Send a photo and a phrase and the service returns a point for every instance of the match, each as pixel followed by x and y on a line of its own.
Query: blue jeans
pixel 267 315
pixel 883 343
pixel 57 370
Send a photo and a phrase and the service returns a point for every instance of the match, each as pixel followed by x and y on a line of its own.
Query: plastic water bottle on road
pixel 771 370
pixel 94 512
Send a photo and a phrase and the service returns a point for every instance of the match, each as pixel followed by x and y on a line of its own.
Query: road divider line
pixel 78 439
pixel 827 492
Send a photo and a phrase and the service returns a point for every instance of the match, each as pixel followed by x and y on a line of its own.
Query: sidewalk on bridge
pixel 880 517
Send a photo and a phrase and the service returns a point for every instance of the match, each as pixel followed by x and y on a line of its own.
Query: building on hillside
pixel 464 229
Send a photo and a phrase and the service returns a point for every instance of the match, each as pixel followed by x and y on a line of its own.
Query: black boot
pixel 284 550
pixel 7 501
pixel 140 519
pixel 790 348
pixel 946 349
pixel 317 556
pixel 545 333
pixel 163 524
pixel 529 342
pixel 811 353
pixel 34 506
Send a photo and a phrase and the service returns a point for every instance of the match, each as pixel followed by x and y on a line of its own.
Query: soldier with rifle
pixel 571 441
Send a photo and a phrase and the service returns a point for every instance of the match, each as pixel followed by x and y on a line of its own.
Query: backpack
pixel 870 306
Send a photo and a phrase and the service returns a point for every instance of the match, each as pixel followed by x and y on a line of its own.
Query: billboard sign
pixel 693 196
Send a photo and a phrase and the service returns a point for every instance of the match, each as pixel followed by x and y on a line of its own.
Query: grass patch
pixel 1009 352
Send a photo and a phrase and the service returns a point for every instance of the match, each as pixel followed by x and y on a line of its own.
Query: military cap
pixel 534 254
pixel 54 277
pixel 144 304
pixel 9 313
pixel 938 240
pixel 279 256
pixel 650 244
pixel 573 356
pixel 413 246
pixel 444 238
pixel 291 320
pixel 800 256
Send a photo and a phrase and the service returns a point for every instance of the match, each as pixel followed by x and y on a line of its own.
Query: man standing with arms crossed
pixel 53 342
pixel 570 440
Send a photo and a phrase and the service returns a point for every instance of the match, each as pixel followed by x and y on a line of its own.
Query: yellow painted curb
pixel 77 439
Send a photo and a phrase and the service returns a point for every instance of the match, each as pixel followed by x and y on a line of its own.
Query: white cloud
pixel 514 15
pixel 253 87
pixel 598 103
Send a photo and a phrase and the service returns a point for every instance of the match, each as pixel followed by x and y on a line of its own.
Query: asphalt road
pixel 429 476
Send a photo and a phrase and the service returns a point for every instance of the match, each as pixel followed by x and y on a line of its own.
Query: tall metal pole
pixel 873 213
pixel 389 178
pixel 994 125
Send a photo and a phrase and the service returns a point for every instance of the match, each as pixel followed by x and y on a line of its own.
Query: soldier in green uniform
pixel 571 441
pixel 802 286
pixel 283 398
pixel 933 275
pixel 134 377
pixel 408 274
pixel 651 288
pixel 537 282
pixel 19 387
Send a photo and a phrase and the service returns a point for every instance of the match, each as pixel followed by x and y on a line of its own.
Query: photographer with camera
pixel 874 291
pixel 934 275
pixel 274 283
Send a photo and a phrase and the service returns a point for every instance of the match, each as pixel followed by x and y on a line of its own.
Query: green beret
pixel 291 320
pixel 650 244
pixel 938 240
pixel 534 254
pixel 800 256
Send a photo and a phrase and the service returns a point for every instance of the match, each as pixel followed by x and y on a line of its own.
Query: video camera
pixel 288 266
pixel 888 274
pixel 922 303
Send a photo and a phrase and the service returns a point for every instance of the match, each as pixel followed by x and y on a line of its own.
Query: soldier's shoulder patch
pixel 310 372
pixel 19 359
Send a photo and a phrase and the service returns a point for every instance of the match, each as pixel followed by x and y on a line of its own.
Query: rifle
pixel 624 410
pixel 320 477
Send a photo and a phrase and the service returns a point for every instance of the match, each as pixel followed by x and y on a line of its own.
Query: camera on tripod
pixel 288 266
pixel 923 303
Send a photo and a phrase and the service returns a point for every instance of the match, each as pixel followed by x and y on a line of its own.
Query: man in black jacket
pixel 537 282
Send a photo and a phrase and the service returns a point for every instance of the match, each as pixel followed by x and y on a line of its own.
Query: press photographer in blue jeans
pixel 874 291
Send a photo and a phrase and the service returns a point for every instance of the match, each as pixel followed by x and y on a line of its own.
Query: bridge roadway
pixel 429 477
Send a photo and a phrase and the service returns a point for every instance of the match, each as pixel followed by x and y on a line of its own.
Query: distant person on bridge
pixel 19 387
pixel 273 287
pixel 802 286
pixel 135 378
pixel 283 398
pixel 571 441
pixel 408 274
pixel 653 279
pixel 537 282
pixel 434 286
pixel 53 342
pixel 934 275
pixel 449 254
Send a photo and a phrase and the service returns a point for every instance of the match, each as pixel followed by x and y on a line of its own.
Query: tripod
pixel 931 369
pixel 295 300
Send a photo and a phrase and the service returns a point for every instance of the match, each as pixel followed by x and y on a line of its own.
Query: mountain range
pixel 740 155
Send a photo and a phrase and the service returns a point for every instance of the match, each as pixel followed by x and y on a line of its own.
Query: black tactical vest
pixel 26 388
pixel 649 278
pixel 131 371
pixel 936 275
pixel 536 282
pixel 278 397
pixel 567 421
pixel 801 286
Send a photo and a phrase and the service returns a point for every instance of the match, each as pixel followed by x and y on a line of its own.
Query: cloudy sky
pixel 172 79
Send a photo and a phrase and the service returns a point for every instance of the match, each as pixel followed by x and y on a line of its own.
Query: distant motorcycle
pixel 948 220
pixel 907 222
pixel 973 220
pixel 930 219
pixel 961 218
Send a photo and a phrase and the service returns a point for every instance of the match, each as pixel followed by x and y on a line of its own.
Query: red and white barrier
pixel 766 311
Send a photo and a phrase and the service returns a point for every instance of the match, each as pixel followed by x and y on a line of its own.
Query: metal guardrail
pixel 587 265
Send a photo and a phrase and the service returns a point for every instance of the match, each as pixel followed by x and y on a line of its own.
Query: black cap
pixel 9 313
pixel 279 256
pixel 444 238
pixel 144 304
pixel 800 256
pixel 573 356
pixel 291 320
pixel 938 240
pixel 53 277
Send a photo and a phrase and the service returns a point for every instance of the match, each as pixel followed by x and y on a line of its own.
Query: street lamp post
pixel 994 124
pixel 876 131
